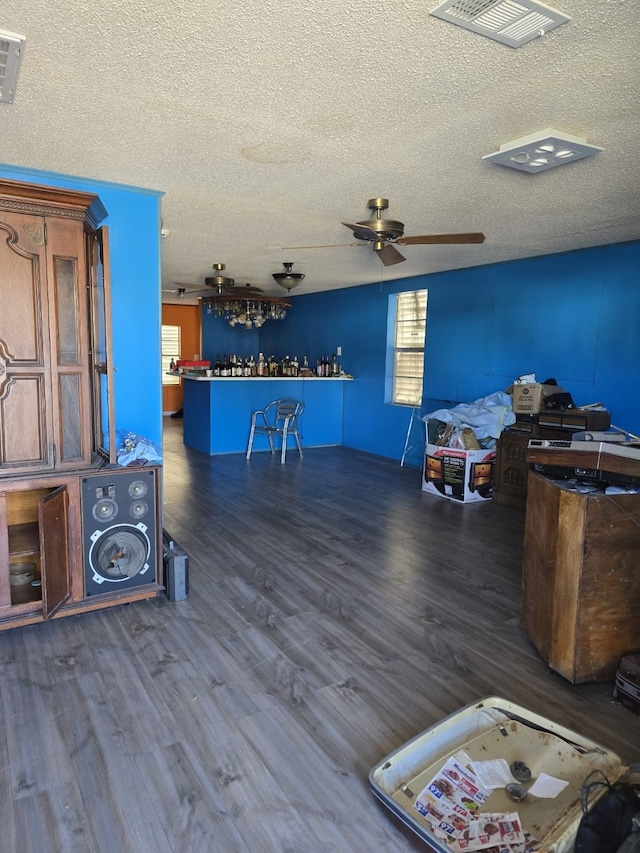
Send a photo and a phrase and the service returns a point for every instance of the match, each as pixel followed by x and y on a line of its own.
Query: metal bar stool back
pixel 279 418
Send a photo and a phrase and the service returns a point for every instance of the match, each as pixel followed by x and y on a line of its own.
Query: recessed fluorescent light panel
pixel 11 50
pixel 541 151
pixel 505 21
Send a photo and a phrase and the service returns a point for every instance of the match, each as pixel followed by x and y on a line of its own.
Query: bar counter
pixel 217 410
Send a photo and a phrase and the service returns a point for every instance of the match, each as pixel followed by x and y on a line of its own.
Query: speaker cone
pixel 138 509
pixel 105 510
pixel 120 553
pixel 137 489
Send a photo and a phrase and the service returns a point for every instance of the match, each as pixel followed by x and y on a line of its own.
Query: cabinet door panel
pixel 25 418
pixel 104 439
pixel 23 432
pixel 5 589
pixel 53 518
pixel 68 341
pixel 22 288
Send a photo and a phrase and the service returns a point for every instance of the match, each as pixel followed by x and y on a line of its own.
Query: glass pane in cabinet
pixel 66 310
pixel 70 413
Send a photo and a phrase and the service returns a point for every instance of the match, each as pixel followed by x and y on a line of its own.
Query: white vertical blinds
pixel 408 354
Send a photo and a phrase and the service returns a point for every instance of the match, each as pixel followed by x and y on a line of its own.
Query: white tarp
pixel 487 416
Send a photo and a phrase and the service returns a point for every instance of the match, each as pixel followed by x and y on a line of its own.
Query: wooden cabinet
pixel 45 368
pixel 581 578
pixel 91 538
pixel 56 411
pixel 512 468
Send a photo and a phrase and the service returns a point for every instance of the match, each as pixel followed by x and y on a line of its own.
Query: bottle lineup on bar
pixel 235 365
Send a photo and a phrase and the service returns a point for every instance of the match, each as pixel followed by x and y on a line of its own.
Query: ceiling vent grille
pixel 11 50
pixel 506 21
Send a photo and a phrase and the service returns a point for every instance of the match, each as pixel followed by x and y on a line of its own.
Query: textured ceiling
pixel 266 124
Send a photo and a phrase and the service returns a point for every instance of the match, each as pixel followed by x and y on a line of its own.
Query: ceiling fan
pixel 384 233
pixel 216 285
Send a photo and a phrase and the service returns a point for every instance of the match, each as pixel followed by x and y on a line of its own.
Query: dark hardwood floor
pixel 335 611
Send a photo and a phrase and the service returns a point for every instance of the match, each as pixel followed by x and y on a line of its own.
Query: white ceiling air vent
pixel 11 50
pixel 505 21
pixel 543 150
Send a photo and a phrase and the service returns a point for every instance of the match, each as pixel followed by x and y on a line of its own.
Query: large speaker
pixel 119 529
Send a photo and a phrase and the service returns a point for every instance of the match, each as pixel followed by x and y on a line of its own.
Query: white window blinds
pixel 170 349
pixel 408 355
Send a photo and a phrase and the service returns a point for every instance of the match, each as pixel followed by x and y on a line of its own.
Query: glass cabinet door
pixel 101 361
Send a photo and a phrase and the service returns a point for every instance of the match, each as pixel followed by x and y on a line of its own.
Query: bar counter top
pixel 217 409
pixel 195 378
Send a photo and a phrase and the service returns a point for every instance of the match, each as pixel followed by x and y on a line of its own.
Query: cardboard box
pixel 459 475
pixel 529 399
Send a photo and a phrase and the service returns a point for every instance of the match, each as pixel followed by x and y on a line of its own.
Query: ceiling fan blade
pixel 326 246
pixel 245 290
pixel 389 255
pixel 362 232
pixel 435 239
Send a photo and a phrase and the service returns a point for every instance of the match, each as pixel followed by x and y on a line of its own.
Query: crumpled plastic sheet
pixel 136 448
pixel 487 416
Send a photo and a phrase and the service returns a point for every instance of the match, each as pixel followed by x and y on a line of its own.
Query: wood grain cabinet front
pixel 84 541
pixel 57 416
pixel 37 560
pixel 581 578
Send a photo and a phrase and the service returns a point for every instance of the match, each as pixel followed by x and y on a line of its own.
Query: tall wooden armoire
pixel 77 532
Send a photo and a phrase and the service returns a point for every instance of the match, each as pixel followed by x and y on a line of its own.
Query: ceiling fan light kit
pixel 288 279
pixel 506 21
pixel 541 151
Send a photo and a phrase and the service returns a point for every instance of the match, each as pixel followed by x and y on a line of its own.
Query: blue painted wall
pixel 218 337
pixel 574 317
pixel 134 235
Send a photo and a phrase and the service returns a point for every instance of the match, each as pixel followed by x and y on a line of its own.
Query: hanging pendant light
pixel 288 279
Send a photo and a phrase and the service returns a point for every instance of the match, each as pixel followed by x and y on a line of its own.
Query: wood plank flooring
pixel 335 611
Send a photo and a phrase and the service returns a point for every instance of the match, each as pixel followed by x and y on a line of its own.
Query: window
pixel 408 347
pixel 170 349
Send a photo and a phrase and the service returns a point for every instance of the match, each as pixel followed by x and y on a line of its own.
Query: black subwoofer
pixel 119 529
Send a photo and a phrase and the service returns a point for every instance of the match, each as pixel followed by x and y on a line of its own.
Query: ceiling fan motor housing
pixel 386 229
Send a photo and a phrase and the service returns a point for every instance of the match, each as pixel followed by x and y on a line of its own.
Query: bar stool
pixel 279 418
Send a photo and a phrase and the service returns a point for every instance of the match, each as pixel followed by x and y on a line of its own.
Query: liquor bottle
pixel 319 367
pixel 217 366
pixel 305 363
pixel 253 371
pixel 172 364
pixel 239 371
pixel 335 367
pixel 294 368
pixel 262 367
